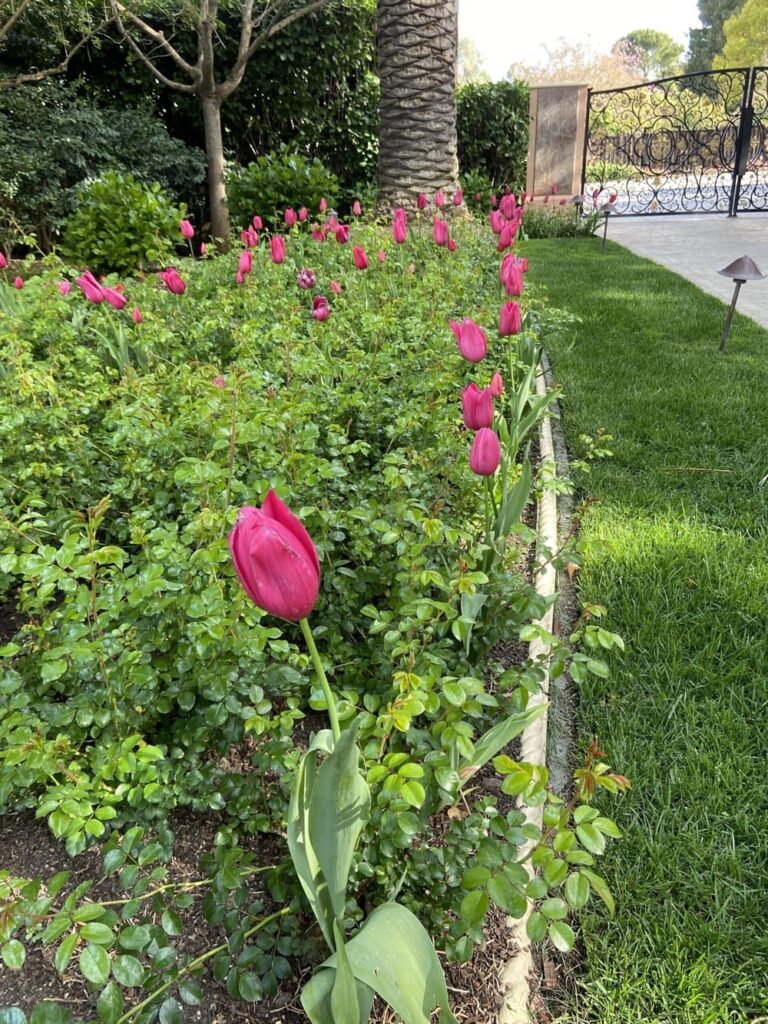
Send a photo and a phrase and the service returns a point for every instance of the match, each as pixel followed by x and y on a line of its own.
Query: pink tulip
pixel 400 226
pixel 136 315
pixel 360 257
pixel 342 234
pixel 219 382
pixel 204 248
pixel 458 197
pixel 330 223
pixel 422 201
pixel 506 237
pixel 381 255
pixel 335 287
pixel 173 281
pixel 496 387
pixel 306 278
pixel 275 559
pixel 510 321
pixel 485 456
pixel 451 245
pixel 323 205
pixel 439 199
pixel 257 224
pixel 320 308
pixel 511 275
pixel 187 229
pixel 65 287
pixel 290 217
pixel 249 237
pixel 496 220
pixel 245 263
pixel 318 234
pixel 493 200
pixel 303 214
pixel 507 207
pixel 19 283
pixel 239 277
pixel 3 261
pixel 440 231
pixel 357 209
pixel 114 298
pixel 471 339
pixel 477 407
pixel 277 248
pixel 90 287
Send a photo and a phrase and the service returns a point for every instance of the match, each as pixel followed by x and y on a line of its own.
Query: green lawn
pixel 677 547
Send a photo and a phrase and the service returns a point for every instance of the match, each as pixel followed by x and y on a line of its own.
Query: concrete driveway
pixel 697 245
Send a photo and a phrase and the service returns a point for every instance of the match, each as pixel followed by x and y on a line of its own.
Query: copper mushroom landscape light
pixel 740 271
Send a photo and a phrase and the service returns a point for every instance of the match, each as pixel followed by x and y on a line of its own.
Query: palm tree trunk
pixel 417 43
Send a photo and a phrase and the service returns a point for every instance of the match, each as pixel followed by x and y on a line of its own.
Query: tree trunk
pixel 417 43
pixel 214 151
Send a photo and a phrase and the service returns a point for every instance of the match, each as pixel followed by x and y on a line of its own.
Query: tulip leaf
pixel 316 998
pixel 344 1002
pixel 329 807
pixel 393 955
pixel 471 605
pixel 514 502
pixel 497 738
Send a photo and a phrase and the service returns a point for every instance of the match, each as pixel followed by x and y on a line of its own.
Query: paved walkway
pixel 696 246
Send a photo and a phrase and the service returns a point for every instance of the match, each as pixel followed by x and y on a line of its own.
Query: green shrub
pixel 276 181
pixel 492 126
pixel 551 220
pixel 122 225
pixel 608 170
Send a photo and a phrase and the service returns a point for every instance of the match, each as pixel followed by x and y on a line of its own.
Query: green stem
pixel 193 964
pixel 330 700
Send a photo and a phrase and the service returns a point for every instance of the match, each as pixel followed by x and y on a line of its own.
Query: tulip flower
pixel 257 224
pixel 478 196
pixel 335 287
pixel 303 214
pixel 187 229
pixel 323 205
pixel 173 281
pixel 277 248
pixel 65 287
pixel 249 237
pixel 440 231
pixel 245 263
pixel 421 201
pixel 113 297
pixel 136 315
pixel 439 198
pixel 320 308
pixel 470 339
pixel 493 200
pixel 507 207
pixel 3 261
pixel 451 245
pixel 400 226
pixel 204 248
pixel 357 209
pixel 290 217
pixel 318 234
pixel 511 275
pixel 458 197
pixel 306 278
pixel 239 277
pixel 18 283
pixel 219 382
pixel 342 234
pixel 381 255
pixel 360 257
pixel 275 559
pixel 485 456
pixel 510 321
pixel 496 387
pixel 506 237
pixel 477 407
pixel 496 220
pixel 90 287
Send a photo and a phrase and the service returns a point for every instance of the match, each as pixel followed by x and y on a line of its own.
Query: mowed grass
pixel 676 539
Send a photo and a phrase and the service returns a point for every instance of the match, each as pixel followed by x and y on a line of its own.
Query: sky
pixel 507 31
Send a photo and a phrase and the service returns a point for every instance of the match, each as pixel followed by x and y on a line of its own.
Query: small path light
pixel 740 271
pixel 607 208
pixel 578 202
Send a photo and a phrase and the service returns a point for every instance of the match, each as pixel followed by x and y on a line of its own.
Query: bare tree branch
pixel 235 76
pixel 39 76
pixel 6 28
pixel 120 11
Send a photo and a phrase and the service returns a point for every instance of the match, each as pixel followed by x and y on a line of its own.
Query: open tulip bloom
pixel 470 339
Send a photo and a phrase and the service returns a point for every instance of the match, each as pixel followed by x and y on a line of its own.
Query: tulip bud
pixel 18 283
pixel 204 248
pixel 323 205
pixel 485 456
pixel 511 275
pixel 136 315
pixel 399 229
pixel 381 255
pixel 493 200
pixel 477 407
pixel 507 207
pixel 172 281
pixel 320 308
pixel 277 248
pixel 421 201
pixel 478 196
pixel 257 223
pixel 342 234
pixel 114 298
pixel 306 278
pixel 458 197
pixel 439 199
pixel 275 559
pixel 318 234
pixel 360 257
pixel 186 228
pixel 3 261
pixel 303 214
pixel 440 231
pixel 357 209
pixel 239 277
pixel 245 263
pixel 90 287
pixel 496 220
pixel 335 287
pixel 451 245
pixel 290 217
pixel 470 339
pixel 64 287
pixel 496 387
pixel 510 321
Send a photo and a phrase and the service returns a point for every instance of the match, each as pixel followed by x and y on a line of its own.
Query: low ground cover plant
pixel 369 381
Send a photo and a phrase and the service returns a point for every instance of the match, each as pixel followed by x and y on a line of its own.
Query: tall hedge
pixel 492 124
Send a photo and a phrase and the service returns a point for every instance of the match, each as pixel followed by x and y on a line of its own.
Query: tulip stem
pixel 330 700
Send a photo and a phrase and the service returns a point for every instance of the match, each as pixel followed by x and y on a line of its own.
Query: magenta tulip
pixel 136 315
pixel 440 231
pixel 3 261
pixel 439 198
pixel 219 382
pixel 320 308
pixel 511 274
pixel 239 277
pixel 510 321
pixel 342 234
pixel 360 257
pixel 496 387
pixel 335 287
pixel 485 456
pixel 422 201
pixel 357 209
pixel 18 283
pixel 318 234
pixel 114 298
pixel 303 214
pixel 290 217
pixel 381 255
pixel 400 226
pixel 257 224
pixel 470 339
pixel 245 263
pixel 90 287
pixel 477 407
pixel 451 245
pixel 496 220
pixel 173 281
pixel 323 205
pixel 507 206
pixel 275 559
pixel 458 197
pixel 187 229
pixel 277 248
pixel 65 287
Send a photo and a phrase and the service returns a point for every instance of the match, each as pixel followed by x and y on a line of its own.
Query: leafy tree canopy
pixel 658 55
pixel 746 36
pixel 707 42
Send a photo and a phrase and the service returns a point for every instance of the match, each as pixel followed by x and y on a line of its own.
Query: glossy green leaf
pixel 562 936
pixel 64 952
pixel 13 954
pixel 577 890
pixel 170 1012
pixel 94 963
pixel 128 971
pixel 536 927
pixel 110 1004
pixel 591 839
pixel 497 738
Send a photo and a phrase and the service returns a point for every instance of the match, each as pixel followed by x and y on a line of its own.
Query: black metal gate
pixel 689 144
